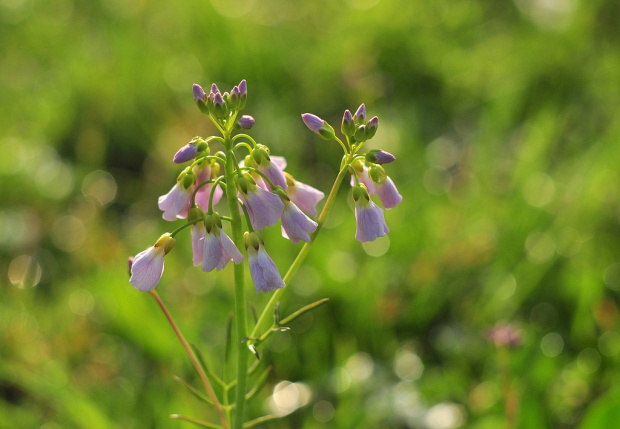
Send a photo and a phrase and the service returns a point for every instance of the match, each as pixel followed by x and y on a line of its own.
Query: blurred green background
pixel 504 117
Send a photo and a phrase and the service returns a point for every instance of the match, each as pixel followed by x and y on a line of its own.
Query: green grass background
pixel 504 117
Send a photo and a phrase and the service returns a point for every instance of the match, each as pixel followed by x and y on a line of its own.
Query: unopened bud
pixel 360 115
pixel 371 127
pixel 348 125
pixel 318 126
pixel 252 239
pixel 245 122
pixel 243 94
pixel 360 133
pixel 378 156
pixel 200 98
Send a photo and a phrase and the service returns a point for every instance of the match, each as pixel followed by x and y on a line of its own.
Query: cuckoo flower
pixel 148 265
pixel 174 204
pixel 388 194
pixel 265 274
pixel 295 224
pixel 218 248
pixel 264 207
pixel 369 216
pixel 268 167
pixel 304 196
pixel 203 173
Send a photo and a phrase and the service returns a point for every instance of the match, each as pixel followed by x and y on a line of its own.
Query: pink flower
pixel 295 224
pixel 265 274
pixel 148 265
pixel 364 178
pixel 203 173
pixel 304 196
pixel 273 171
pixel 198 234
pixel 175 202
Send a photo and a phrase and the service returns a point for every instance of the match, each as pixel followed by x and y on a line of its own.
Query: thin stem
pixel 193 359
pixel 263 321
pixel 245 136
pixel 239 287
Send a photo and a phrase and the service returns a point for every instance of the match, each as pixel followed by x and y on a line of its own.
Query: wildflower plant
pixel 258 193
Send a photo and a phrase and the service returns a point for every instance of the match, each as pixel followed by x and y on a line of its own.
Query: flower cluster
pixel 368 177
pixel 258 185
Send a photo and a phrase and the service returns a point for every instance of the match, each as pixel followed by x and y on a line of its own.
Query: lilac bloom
pixel 264 207
pixel 175 202
pixel 370 220
pixel 388 194
pixel 295 224
pixel 280 161
pixel 218 250
pixel 148 265
pixel 203 173
pixel 198 232
pixel 265 274
pixel 273 171
pixel 364 178
pixel 304 196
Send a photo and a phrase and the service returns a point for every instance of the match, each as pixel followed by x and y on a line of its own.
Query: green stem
pixel 239 287
pixel 193 359
pixel 263 321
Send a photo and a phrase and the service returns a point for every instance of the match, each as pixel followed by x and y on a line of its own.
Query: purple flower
pixel 369 216
pixel 273 172
pixel 304 196
pixel 364 178
pixel 245 122
pixel 265 274
pixel 388 194
pixel 318 126
pixel 148 265
pixel 203 173
pixel 218 250
pixel 186 153
pixel 264 207
pixel 174 203
pixel 295 224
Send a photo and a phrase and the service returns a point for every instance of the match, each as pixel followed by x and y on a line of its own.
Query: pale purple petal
pixel 212 253
pixel 174 202
pixel 203 195
pixel 280 161
pixel 388 194
pixel 274 173
pixel 295 224
pixel 264 207
pixel 264 272
pixel 147 269
pixel 305 197
pixel 198 233
pixel 370 221
pixel 364 178
pixel 229 247
pixel 313 122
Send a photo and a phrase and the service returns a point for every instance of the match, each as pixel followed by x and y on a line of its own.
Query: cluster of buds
pixel 368 177
pixel 264 192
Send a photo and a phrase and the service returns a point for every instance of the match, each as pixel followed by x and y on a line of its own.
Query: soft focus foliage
pixel 504 119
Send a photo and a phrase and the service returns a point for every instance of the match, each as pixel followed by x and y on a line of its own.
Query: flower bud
pixel 220 109
pixel 194 213
pixel 360 115
pixel 200 98
pixel 235 98
pixel 377 174
pixel 348 126
pixel 245 122
pixel 359 191
pixel 260 155
pixel 243 94
pixel 252 239
pixel 165 241
pixel 371 127
pixel 379 156
pixel 186 153
pixel 360 133
pixel 187 178
pixel 318 126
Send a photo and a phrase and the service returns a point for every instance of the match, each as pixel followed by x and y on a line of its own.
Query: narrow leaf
pixel 195 391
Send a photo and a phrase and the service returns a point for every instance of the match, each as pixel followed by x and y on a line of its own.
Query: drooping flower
pixel 388 194
pixel 295 224
pixel 304 196
pixel 264 207
pixel 203 173
pixel 265 274
pixel 174 204
pixel 148 265
pixel 198 232
pixel 271 169
pixel 219 249
pixel 370 219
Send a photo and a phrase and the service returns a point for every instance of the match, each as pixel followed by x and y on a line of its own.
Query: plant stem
pixel 263 321
pixel 239 286
pixel 193 359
